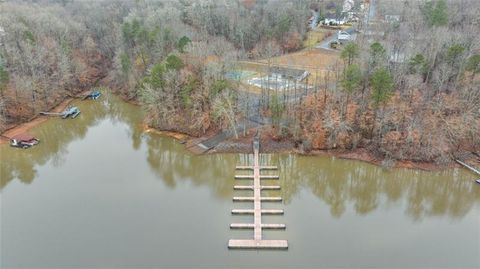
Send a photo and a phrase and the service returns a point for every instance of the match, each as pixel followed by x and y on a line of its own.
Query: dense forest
pixel 407 88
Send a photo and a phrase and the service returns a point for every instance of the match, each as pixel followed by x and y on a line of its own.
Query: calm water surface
pixel 99 193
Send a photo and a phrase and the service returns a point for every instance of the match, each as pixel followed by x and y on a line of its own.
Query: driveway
pixel 325 44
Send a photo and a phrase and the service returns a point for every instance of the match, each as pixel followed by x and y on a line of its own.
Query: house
pixel 392 18
pixel 333 20
pixel 348 5
pixel 352 16
pixel 397 57
pixel 374 34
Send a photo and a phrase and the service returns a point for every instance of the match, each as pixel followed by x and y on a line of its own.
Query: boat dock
pixel 69 112
pixel 471 168
pixel 257 242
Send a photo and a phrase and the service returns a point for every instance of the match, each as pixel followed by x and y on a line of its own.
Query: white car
pixel 343 36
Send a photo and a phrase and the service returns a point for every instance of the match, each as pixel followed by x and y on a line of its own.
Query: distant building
pixel 348 5
pixel 352 16
pixel 374 34
pixel 333 20
pixel 397 57
pixel 392 18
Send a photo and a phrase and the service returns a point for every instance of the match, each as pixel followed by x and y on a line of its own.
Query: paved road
pixel 325 44
pixel 373 9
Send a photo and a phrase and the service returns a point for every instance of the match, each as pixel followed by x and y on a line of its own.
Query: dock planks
pixel 250 188
pixel 251 211
pixel 258 242
pixel 252 199
pixel 261 167
pixel 252 177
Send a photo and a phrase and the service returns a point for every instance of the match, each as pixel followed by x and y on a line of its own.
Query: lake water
pixel 97 192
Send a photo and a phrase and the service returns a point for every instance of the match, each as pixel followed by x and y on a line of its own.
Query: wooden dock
pixel 257 242
pixel 469 167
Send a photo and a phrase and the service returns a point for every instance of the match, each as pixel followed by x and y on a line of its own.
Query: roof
pixel 331 16
pixel 23 137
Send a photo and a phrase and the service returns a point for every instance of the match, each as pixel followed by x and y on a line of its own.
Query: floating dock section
pixel 257 226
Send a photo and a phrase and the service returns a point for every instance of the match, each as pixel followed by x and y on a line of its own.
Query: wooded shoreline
pixel 243 145
pixel 193 70
pixel 39 119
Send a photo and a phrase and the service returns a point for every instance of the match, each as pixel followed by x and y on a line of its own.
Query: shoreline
pixel 243 144
pixel 24 127
pixel 359 154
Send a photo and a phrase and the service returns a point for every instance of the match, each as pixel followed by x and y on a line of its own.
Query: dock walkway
pixel 471 168
pixel 257 242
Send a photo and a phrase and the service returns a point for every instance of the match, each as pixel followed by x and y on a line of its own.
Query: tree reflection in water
pixel 366 187
pixel 341 184
pixel 55 135
pixel 172 163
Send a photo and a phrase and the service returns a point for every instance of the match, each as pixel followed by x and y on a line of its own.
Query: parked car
pixel 334 44
pixel 344 36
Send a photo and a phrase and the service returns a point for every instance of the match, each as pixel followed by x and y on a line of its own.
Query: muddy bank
pixel 359 154
pixel 16 129
pixel 93 76
pixel 178 136
pixel 244 145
